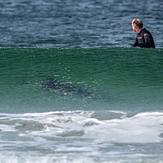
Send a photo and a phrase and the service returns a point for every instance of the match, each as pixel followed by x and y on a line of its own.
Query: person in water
pixel 144 38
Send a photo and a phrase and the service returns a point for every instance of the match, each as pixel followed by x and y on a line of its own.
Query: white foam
pixel 141 128
pixel 29 158
pixel 5 128
pixel 78 136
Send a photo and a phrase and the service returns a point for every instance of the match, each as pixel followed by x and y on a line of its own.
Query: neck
pixel 139 30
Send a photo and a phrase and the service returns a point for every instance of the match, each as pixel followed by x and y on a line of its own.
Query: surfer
pixel 144 38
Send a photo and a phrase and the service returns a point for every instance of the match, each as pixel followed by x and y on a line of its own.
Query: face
pixel 134 27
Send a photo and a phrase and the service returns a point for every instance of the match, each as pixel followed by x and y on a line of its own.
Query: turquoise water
pixel 78 105
pixel 104 79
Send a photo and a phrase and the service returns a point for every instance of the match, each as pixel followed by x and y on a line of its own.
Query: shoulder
pixel 146 33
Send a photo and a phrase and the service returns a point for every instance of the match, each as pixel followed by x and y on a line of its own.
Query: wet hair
pixel 138 22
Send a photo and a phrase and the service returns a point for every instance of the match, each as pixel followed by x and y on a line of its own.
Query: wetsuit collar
pixel 141 30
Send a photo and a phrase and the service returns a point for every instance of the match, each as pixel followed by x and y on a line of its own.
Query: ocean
pixel 72 23
pixel 81 105
pixel 72 89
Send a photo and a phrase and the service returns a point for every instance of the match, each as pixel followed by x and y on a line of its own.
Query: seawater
pixel 96 105
pixel 81 105
pixel 71 23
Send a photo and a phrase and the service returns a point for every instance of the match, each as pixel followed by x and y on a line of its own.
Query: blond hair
pixel 138 22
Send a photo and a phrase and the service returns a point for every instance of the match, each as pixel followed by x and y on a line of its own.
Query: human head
pixel 137 24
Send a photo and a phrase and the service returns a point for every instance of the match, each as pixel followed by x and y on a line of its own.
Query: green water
pixel 116 78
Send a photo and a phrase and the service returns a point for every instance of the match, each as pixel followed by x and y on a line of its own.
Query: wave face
pixel 34 80
pixel 78 105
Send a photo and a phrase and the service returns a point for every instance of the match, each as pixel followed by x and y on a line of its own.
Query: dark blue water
pixel 71 23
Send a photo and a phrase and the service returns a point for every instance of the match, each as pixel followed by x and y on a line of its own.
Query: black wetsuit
pixel 144 39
